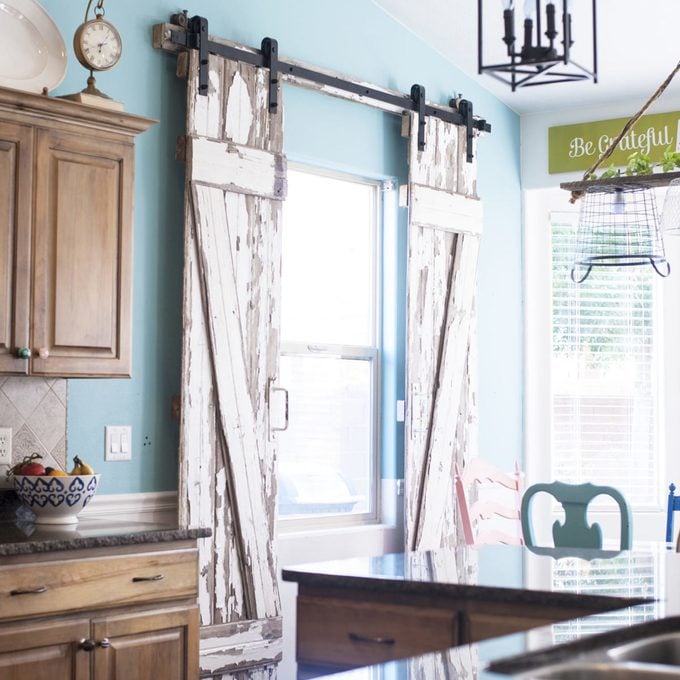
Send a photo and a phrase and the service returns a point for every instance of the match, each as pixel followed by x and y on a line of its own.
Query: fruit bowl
pixel 56 500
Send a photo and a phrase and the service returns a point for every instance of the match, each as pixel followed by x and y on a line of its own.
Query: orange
pixel 57 473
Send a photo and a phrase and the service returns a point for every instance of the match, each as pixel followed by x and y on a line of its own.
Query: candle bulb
pixel 528 29
pixel 509 21
pixel 550 33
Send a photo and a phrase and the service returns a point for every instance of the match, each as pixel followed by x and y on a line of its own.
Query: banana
pixel 80 468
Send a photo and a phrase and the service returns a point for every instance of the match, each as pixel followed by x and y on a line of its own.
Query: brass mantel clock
pixel 98 47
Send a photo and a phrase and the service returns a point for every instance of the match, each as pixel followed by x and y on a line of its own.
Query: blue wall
pixel 354 37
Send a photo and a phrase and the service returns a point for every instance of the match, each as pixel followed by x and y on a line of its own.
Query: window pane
pixel 604 375
pixel 328 280
pixel 325 455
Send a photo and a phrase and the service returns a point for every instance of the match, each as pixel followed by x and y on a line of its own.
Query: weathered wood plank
pixel 241 645
pixel 238 421
pixel 442 266
pixel 439 209
pixel 448 393
pixel 237 168
pixel 238 579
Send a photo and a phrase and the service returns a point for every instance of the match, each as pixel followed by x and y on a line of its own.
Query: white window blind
pixel 627 575
pixel 604 374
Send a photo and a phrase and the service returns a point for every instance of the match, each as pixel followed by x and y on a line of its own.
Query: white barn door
pixel 445 222
pixel 235 182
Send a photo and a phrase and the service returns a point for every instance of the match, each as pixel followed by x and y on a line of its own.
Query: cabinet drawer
pixel 344 633
pixel 72 585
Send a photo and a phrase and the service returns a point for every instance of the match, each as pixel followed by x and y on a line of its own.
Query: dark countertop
pixel 645 575
pixel 23 537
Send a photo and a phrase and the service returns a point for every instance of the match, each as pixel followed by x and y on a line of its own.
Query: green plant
pixel 639 164
pixel 671 160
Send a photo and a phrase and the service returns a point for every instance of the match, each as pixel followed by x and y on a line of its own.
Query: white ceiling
pixel 637 48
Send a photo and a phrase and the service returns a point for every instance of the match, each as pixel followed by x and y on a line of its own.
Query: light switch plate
pixel 118 443
pixel 5 445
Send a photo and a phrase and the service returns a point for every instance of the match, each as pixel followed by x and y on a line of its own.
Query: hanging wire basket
pixel 619 222
pixel 618 227
pixel 670 214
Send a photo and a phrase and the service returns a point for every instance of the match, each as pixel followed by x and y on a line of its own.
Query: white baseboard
pixel 159 507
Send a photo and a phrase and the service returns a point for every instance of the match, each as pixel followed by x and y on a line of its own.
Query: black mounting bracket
pixel 464 107
pixel 193 34
pixel 418 97
pixel 197 37
pixel 270 52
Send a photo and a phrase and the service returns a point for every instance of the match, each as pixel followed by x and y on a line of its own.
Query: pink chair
pixel 480 475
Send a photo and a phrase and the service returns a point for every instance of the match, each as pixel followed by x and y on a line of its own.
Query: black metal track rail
pixel 196 37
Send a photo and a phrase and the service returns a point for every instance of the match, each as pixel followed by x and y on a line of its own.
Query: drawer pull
pixel 104 643
pixel 376 640
pixel 140 579
pixel 87 645
pixel 29 591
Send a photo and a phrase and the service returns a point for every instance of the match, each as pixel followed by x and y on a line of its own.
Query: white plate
pixel 32 51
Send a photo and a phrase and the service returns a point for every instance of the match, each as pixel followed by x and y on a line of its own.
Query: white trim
pixel 158 507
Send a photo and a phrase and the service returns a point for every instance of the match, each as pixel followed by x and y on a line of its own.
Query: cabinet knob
pixel 87 645
pixel 105 643
pixel 43 353
pixel 24 353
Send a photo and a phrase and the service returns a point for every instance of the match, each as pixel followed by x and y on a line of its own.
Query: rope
pixel 575 195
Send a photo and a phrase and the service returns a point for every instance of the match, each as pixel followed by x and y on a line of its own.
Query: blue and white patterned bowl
pixel 56 500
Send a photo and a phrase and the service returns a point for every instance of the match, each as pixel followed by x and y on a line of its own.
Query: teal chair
pixel 575 532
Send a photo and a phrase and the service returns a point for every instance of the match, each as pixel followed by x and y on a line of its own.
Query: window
pixel 601 373
pixel 328 454
pixel 605 374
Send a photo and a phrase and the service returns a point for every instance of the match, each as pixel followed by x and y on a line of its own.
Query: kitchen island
pixel 636 588
pixel 99 600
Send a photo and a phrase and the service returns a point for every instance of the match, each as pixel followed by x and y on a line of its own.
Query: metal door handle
pixel 104 643
pixel 140 579
pixel 29 591
pixel 354 637
pixel 285 427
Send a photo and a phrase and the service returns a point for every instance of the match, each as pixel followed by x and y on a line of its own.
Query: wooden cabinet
pixel 111 616
pixel 343 633
pixel 344 627
pixel 16 181
pixel 66 190
pixel 44 651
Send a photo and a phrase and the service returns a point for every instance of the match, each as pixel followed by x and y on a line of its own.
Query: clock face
pixel 98 45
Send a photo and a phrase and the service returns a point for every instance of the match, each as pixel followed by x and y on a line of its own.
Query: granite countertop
pixel 24 537
pixel 463 572
pixel 642 580
pixel 19 535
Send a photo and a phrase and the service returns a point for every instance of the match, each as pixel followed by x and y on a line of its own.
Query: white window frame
pixel 372 353
pixel 648 524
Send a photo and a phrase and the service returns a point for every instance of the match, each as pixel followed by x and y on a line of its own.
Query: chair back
pixel 576 532
pixel 673 505
pixel 478 518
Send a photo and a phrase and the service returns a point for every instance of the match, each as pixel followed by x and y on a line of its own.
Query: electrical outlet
pixel 5 445
pixel 118 443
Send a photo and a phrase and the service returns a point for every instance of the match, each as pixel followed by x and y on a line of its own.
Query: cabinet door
pixel 45 651
pixel 82 268
pixel 156 644
pixel 16 155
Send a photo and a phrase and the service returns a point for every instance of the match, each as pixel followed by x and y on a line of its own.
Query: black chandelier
pixel 545 57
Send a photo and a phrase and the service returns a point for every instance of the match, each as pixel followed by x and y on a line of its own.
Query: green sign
pixel 577 147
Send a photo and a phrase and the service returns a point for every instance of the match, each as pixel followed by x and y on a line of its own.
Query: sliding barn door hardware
pixel 418 97
pixel 198 39
pixel 465 109
pixel 270 51
pixel 192 33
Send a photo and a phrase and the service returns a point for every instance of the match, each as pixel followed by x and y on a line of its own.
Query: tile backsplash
pixel 35 409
